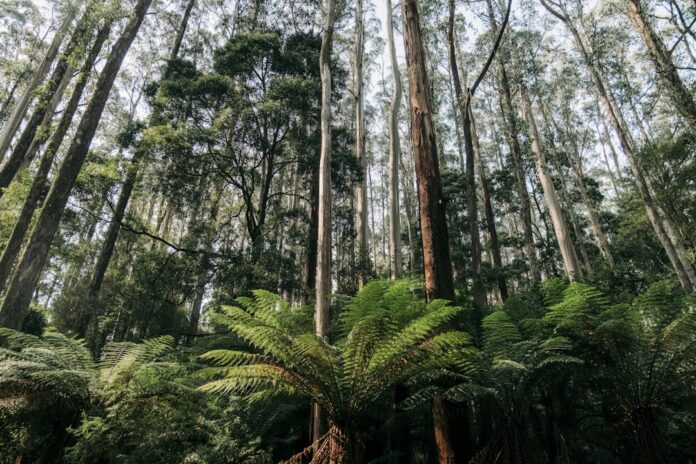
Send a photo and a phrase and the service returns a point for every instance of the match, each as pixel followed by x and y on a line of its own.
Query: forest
pixel 347 231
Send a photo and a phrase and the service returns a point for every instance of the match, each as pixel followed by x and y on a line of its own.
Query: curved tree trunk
pixel 464 103
pixel 511 129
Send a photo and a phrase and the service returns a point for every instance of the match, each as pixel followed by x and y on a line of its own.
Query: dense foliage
pixel 347 231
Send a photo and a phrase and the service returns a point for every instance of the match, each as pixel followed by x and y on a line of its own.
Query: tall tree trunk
pixel 44 108
pixel 437 263
pixel 565 243
pixel 132 172
pixel 323 275
pixel 45 128
pixel 575 161
pixel 20 107
pixel 610 170
pixel 464 102
pixel 360 188
pixel 39 186
pixel 682 98
pixel 596 227
pixel 683 268
pixel 612 149
pixel 512 134
pixel 489 215
pixel 109 243
pixel 433 222
pixel 181 31
pixel 568 204
pixel 18 297
pixel 394 153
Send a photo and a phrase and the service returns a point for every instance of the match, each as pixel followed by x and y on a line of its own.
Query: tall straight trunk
pixel 112 232
pixel 599 235
pixel 511 129
pixel 565 243
pixel 610 170
pixel 682 98
pixel 44 130
pixel 612 149
pixel 568 204
pixel 43 109
pixel 681 264
pixel 464 102
pixel 107 248
pixel 18 297
pixel 39 185
pixel 489 215
pixel 360 188
pixel 575 161
pixel 394 153
pixel 19 110
pixel 437 263
pixel 181 31
pixel 323 275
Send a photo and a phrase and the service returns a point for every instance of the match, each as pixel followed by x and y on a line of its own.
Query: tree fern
pixel 396 339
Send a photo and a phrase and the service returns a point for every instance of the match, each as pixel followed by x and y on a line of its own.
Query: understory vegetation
pixel 561 373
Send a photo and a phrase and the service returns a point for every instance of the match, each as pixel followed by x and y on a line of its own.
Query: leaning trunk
pixel 464 102
pixel 22 105
pixel 39 185
pixel 19 293
pixel 512 134
pixel 565 244
pixel 682 98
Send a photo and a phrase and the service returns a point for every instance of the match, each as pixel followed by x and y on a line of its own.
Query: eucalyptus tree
pixel 323 273
pixel 512 133
pixel 563 238
pixel 39 183
pixel 662 226
pixel 682 98
pixel 27 142
pixel 360 139
pixel 21 288
pixel 132 171
pixel 21 106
